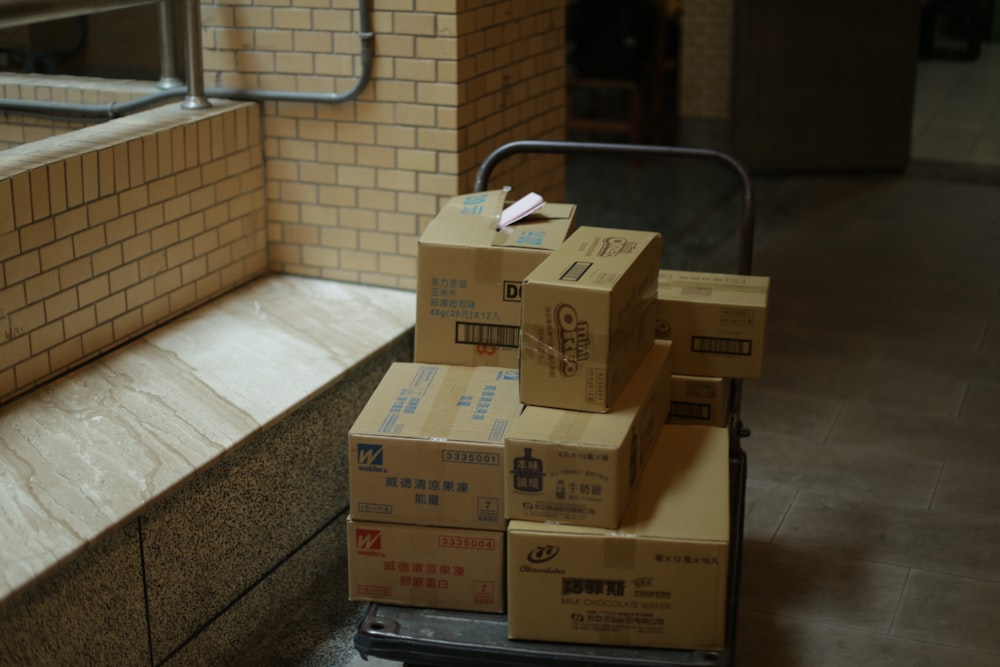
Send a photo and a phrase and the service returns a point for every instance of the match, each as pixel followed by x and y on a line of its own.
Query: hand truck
pixel 421 637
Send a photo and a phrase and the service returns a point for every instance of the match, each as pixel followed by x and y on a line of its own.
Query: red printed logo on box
pixel 368 542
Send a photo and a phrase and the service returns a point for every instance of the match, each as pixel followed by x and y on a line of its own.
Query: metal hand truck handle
pixel 745 259
pixel 635 150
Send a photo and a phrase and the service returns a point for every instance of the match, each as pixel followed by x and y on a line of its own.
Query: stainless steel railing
pixel 195 95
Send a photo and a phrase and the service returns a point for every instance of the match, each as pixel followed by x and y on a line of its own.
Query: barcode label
pixel 497 335
pixel 576 271
pixel 690 410
pixel 734 346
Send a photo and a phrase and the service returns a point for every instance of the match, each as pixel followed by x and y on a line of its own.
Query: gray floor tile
pixel 959 544
pixel 985 152
pixel 991 337
pixel 766 506
pixel 770 412
pixel 858 473
pixel 910 386
pixel 817 365
pixel 820 587
pixel 945 143
pixel 982 405
pixel 950 611
pixel 771 640
pixel 973 365
pixel 968 488
pixel 913 434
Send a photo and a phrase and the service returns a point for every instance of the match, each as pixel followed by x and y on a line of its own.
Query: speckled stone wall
pixel 91 614
pixel 221 562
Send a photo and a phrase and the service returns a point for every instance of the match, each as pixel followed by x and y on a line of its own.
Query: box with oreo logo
pixel 588 317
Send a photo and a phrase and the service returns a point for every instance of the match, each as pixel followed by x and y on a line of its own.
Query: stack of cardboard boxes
pixel 521 463
pixel 717 323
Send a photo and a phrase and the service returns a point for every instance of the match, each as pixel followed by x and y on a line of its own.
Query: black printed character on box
pixel 528 473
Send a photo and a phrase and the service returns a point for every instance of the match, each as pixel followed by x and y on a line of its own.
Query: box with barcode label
pixel 577 467
pixel 716 321
pixel 426 566
pixel 699 400
pixel 469 277
pixel 428 447
pixel 588 318
pixel 660 580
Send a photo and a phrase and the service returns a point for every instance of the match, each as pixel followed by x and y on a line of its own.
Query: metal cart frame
pixel 442 638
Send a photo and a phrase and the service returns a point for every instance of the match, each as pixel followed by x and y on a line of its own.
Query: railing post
pixel 168 69
pixel 195 72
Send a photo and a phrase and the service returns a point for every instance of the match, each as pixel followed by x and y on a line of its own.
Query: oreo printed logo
pixel 615 245
pixel 574 339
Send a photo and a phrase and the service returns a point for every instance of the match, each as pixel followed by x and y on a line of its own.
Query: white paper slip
pixel 520 209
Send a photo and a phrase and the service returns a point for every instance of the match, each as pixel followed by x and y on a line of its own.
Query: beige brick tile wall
pixel 112 230
pixel 706 59
pixel 351 186
pixel 106 233
pixel 18 129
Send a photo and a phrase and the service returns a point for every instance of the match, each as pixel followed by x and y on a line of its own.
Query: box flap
pixel 436 402
pixel 467 220
pixel 471 220
pixel 546 229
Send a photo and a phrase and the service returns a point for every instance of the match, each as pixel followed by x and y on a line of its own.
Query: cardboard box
pixel 426 566
pixel 428 446
pixel 469 278
pixel 699 400
pixel 658 581
pixel 580 467
pixel 717 322
pixel 588 318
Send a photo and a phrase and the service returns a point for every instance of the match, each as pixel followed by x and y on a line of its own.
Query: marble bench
pixel 167 502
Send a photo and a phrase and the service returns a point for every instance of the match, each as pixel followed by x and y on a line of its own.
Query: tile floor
pixel 957 109
pixel 873 516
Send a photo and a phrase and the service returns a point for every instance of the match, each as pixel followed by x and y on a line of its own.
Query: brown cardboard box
pixel 469 278
pixel 426 566
pixel 699 400
pixel 717 322
pixel 658 581
pixel 588 318
pixel 428 446
pixel 580 467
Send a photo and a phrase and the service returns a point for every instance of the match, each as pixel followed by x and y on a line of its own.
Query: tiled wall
pixel 706 59
pixel 111 230
pixel 17 128
pixel 136 227
pixel 351 186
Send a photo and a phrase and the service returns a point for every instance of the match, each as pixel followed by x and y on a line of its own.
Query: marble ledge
pixel 92 449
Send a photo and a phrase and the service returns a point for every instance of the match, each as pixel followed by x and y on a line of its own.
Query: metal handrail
pixel 15 13
pixel 195 94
